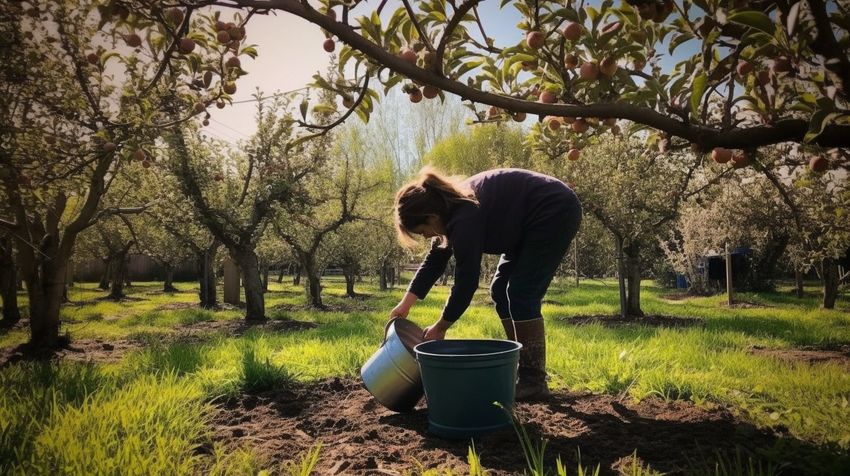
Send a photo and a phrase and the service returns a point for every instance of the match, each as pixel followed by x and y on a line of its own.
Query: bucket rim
pixel 516 346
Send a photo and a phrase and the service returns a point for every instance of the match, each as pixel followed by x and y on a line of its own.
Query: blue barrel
pixel 462 379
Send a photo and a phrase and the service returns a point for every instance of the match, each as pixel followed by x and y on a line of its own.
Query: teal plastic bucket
pixel 462 378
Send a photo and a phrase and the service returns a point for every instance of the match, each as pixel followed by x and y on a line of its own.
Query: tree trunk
pixel 249 264
pixel 8 284
pixel 633 274
pixel 798 281
pixel 830 283
pixel 313 287
pixel 107 274
pixel 44 274
pixel 265 277
pixel 168 286
pixel 394 276
pixel 350 279
pixel 296 275
pixel 119 273
pixel 280 275
pixel 205 266
pixel 765 268
pixel 383 277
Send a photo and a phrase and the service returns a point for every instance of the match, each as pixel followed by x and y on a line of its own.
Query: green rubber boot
pixel 531 384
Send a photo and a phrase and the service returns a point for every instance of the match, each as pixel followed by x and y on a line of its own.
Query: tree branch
pixel 706 137
pixel 825 44
pixel 416 24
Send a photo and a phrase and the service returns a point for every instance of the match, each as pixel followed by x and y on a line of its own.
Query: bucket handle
pixel 387 328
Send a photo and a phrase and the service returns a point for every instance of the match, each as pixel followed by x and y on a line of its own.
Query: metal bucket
pixel 391 375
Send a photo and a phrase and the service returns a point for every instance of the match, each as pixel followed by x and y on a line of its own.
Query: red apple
pixel 329 45
pixel 744 68
pixel 574 154
pixel 93 59
pixel 518 116
pixel 572 31
pixel 430 92
pixel 223 37
pixel 174 15
pixel 408 55
pixel 415 96
pixel 580 126
pixel 608 67
pixel 233 62
pixel 554 123
pixel 534 39
pixel 819 163
pixel 589 71
pixel 547 97
pixel 570 61
pixel 236 34
pixel 721 155
pixel 229 87
pixel 133 40
pixel 493 112
pixel 186 45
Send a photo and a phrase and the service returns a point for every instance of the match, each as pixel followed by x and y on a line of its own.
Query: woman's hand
pixel 437 330
pixel 403 307
pixel 400 311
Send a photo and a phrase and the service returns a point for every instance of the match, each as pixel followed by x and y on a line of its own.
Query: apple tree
pixel 633 192
pixel 335 195
pixel 85 85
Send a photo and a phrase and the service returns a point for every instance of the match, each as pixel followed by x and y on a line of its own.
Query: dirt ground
pixel 101 350
pixel 617 321
pixel 809 354
pixel 359 436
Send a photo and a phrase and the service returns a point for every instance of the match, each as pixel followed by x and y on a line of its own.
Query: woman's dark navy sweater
pixel 510 202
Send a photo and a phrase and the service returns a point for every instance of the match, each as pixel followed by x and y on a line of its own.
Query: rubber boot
pixel 531 384
pixel 510 333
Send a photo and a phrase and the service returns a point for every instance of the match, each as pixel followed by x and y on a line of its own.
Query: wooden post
pixel 730 298
pixel 231 282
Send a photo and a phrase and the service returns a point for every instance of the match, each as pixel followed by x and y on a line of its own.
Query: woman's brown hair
pixel 432 193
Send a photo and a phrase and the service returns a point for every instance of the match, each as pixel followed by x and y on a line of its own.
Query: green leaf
pixel 820 120
pixel 679 39
pixel 754 19
pixel 303 109
pixel 699 85
pixel 392 81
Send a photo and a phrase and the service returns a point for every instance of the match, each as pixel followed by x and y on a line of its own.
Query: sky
pixel 290 53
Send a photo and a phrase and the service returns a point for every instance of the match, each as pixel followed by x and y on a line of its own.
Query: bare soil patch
pixel 357 304
pixel 359 436
pixel 79 350
pixel 839 354
pixel 633 321
pixel 747 305
pixel 238 327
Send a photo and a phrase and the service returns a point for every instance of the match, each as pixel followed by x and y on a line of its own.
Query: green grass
pixel 149 410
